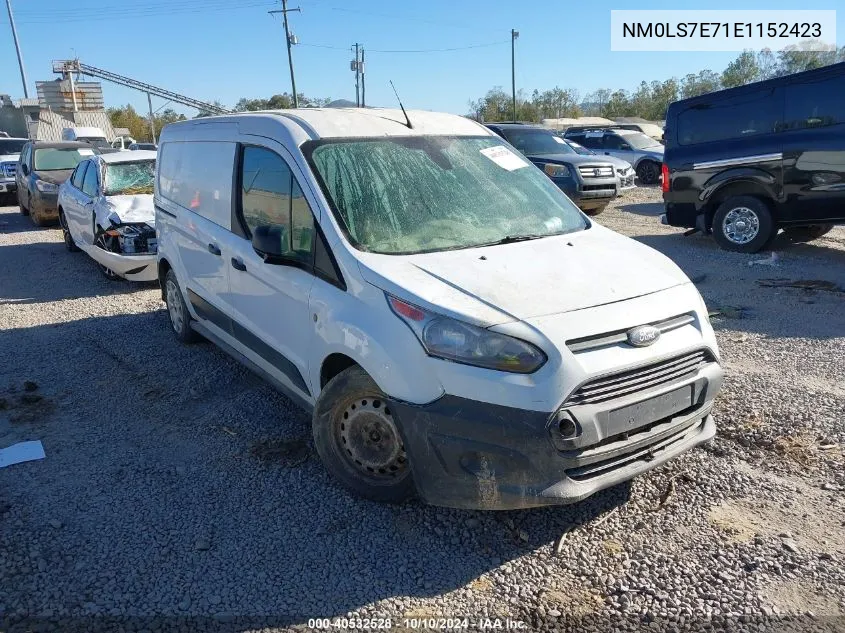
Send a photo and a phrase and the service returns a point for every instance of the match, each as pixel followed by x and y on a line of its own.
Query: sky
pixel 227 49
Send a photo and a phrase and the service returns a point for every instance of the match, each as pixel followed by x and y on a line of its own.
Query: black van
pixel 747 161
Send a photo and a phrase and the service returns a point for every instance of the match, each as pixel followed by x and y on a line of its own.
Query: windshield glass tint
pixel 406 195
pixel 11 146
pixel 537 142
pixel 638 140
pixel 57 158
pixel 130 179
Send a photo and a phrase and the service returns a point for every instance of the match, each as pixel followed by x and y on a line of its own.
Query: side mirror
pixel 625 147
pixel 25 169
pixel 270 242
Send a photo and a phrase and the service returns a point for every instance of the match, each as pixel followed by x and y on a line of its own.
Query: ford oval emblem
pixel 643 336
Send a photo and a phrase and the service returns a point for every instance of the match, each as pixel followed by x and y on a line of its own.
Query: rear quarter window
pixel 742 116
pixel 197 175
pixel 812 104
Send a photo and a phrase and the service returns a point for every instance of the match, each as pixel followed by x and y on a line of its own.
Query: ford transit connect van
pixel 459 329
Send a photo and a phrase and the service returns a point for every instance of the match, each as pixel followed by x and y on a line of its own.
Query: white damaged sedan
pixel 106 209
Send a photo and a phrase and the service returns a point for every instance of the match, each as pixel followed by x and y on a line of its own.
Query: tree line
pixel 139 125
pixel 650 99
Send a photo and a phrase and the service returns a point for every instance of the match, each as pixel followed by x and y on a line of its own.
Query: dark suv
pixel 589 181
pixel 745 162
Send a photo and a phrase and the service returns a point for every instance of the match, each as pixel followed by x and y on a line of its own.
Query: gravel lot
pixel 181 491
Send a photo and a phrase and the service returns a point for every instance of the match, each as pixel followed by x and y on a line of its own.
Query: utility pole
pixel 363 82
pixel 290 40
pixel 514 35
pixel 357 78
pixel 17 48
pixel 152 118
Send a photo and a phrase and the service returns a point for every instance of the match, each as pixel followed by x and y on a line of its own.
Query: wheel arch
pixel 333 364
pixel 714 195
pixel 163 267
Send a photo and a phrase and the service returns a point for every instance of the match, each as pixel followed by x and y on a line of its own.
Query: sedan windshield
pixel 537 142
pixel 406 195
pixel 129 179
pixel 59 158
pixel 580 149
pixel 638 140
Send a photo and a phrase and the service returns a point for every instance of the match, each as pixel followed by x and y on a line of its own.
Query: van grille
pixel 595 172
pixel 640 378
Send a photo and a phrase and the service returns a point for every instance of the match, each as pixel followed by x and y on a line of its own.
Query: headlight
pixel 46 187
pixel 556 171
pixel 461 342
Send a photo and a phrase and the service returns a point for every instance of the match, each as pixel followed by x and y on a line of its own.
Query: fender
pixel 343 325
pixel 753 181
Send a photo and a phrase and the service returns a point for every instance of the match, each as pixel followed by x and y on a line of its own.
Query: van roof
pixel 831 69
pixel 317 123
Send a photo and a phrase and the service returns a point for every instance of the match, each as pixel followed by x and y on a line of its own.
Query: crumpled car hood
pixel 138 208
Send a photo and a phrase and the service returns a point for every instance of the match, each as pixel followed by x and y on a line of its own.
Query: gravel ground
pixel 180 491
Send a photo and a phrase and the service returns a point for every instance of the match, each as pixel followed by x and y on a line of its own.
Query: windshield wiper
pixel 510 239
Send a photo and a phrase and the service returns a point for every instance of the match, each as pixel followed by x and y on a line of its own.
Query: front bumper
pixel 469 454
pixel 596 192
pixel 45 205
pixel 8 186
pixel 131 267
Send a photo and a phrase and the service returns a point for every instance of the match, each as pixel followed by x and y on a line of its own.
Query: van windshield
pixel 405 195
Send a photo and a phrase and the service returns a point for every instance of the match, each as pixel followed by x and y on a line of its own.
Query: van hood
pixel 127 209
pixel 514 282
pixel 55 176
pixel 9 158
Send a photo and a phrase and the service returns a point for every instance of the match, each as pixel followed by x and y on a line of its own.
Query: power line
pixel 143 13
pixel 418 50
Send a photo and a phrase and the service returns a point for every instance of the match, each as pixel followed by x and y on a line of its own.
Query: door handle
pixel 214 249
pixel 238 264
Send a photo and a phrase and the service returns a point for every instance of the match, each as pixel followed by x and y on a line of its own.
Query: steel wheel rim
pixel 741 225
pixel 174 307
pixel 368 440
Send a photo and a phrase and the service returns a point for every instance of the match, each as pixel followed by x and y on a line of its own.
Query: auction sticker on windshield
pixel 85 152
pixel 503 157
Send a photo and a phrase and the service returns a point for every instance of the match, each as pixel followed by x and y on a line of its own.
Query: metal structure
pixel 67 67
pixel 70 96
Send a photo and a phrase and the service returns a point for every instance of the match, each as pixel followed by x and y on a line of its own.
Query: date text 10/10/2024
pixel 431 624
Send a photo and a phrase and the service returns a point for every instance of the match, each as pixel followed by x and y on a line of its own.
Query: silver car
pixel 643 152
pixel 624 170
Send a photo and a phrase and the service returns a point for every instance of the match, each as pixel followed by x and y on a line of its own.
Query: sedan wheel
pixel 69 243
pixel 648 172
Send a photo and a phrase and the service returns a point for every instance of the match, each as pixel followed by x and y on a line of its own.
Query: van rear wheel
pixel 357 436
pixel 743 224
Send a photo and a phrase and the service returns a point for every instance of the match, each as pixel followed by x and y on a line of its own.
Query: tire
pixel 358 439
pixel 37 220
pixel 743 224
pixel 648 172
pixel 23 209
pixel 807 233
pixel 595 211
pixel 68 238
pixel 177 310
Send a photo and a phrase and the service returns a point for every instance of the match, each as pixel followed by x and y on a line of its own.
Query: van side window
pixel 271 195
pixel 815 104
pixel 89 183
pixel 197 175
pixel 79 174
pixel 731 118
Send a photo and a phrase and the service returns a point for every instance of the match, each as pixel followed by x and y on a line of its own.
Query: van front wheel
pixel 357 436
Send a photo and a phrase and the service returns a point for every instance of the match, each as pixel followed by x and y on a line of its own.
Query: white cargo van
pixel 91 135
pixel 458 327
